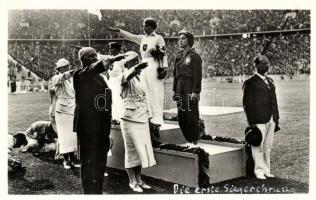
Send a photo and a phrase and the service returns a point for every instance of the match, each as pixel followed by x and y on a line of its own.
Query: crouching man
pixel 41 137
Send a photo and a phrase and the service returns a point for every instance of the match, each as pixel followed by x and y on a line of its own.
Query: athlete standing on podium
pixel 151 75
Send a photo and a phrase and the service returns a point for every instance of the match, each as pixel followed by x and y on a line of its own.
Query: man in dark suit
pixel 92 119
pixel 261 108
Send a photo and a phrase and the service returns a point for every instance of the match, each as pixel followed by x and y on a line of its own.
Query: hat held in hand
pixel 253 136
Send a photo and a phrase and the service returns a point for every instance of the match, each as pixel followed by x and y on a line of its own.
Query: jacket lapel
pixel 271 85
pixel 100 81
pixel 261 81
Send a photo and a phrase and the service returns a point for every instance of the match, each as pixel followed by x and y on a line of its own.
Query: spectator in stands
pixel 64 113
pixel 13 84
pixel 225 21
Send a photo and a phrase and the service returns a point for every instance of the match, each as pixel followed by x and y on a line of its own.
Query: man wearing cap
pixel 64 112
pixel 148 42
pixel 187 87
pixel 92 120
pixel 114 71
pixel 261 108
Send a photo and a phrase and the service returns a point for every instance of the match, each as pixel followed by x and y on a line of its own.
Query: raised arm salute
pixel 153 75
pixel 92 119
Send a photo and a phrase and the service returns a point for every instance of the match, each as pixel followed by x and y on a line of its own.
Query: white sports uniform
pixel 150 75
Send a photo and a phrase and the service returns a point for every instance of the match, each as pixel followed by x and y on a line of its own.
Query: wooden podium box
pixel 226 160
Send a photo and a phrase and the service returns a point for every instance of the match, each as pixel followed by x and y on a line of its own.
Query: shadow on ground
pixel 44 175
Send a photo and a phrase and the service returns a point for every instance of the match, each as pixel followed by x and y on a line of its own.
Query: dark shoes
pixel 154 129
pixel 115 122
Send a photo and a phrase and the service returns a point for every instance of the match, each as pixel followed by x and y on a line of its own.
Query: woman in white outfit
pixel 134 123
pixel 64 112
pixel 148 42
pixel 114 71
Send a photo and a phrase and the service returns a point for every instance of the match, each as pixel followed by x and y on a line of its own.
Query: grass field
pixel 290 155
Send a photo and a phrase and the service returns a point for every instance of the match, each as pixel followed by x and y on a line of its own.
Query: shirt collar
pixel 152 34
pixel 182 51
pixel 262 77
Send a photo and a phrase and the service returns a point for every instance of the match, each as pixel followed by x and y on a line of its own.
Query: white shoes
pixel 76 165
pixel 262 177
pixel 265 176
pixel 269 175
pixel 144 185
pixel 191 145
pixel 135 187
pixel 66 165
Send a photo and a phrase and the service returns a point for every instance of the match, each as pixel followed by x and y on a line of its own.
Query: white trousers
pixel 261 154
pixel 155 90
pixel 117 102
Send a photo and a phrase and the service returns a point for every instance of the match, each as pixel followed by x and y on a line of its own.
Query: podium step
pixel 226 161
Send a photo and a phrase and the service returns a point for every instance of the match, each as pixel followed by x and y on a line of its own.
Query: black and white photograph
pixel 146 98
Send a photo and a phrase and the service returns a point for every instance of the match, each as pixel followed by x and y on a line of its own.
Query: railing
pixel 261 33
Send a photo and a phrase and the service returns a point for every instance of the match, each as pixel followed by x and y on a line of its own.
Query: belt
pixel 65 97
pixel 185 78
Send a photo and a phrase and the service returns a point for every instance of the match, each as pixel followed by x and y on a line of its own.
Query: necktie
pixel 266 81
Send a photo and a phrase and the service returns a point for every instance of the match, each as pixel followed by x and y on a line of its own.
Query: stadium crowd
pixel 75 91
pixel 73 24
pixel 221 57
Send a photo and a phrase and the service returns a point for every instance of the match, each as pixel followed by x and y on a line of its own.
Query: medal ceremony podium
pixel 226 160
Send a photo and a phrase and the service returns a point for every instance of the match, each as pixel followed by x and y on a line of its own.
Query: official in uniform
pixel 92 120
pixel 148 42
pixel 187 87
pixel 261 108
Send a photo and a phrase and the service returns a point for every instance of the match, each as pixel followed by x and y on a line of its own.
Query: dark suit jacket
pixel 187 73
pixel 259 100
pixel 92 119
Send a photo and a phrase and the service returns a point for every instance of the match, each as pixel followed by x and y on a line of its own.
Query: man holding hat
pixel 92 120
pixel 149 42
pixel 261 108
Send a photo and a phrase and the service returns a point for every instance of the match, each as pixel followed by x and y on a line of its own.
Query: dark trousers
pixel 13 86
pixel 93 164
pixel 188 115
